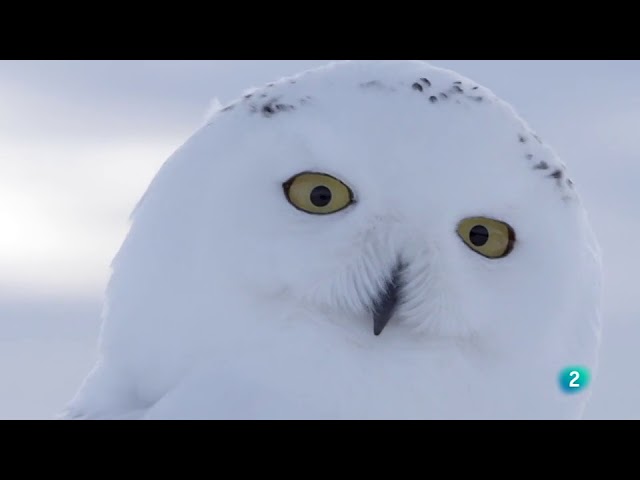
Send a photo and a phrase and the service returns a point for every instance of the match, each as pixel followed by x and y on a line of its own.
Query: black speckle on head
pixel 418 87
pixel 542 166
pixel 444 96
pixel 457 83
pixel 522 138
pixel 457 89
pixel 529 156
pixel 248 96
pixel 271 107
pixel 557 174
pixel 372 83
pixel 284 107
pixel 474 88
pixel 426 81
pixel 433 99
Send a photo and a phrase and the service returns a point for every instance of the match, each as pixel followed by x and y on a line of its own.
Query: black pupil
pixel 321 196
pixel 479 235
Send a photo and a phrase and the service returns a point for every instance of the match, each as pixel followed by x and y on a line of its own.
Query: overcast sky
pixel 81 140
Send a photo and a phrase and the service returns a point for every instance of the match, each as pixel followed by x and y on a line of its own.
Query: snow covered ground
pixel 80 141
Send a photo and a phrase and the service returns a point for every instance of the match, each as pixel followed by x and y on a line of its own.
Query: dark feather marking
pixel 372 83
pixel 284 107
pixel 542 166
pixel 444 96
pixel 268 110
pixel 426 81
pixel 557 174
pixel 522 139
pixel 433 99
pixel 418 87
pixel 228 109
pixel 271 107
pixel 457 89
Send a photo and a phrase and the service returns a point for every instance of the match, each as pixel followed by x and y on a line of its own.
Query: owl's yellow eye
pixel 317 193
pixel 490 238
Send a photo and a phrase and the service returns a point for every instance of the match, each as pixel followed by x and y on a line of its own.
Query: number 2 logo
pixel 575 376
pixel 574 379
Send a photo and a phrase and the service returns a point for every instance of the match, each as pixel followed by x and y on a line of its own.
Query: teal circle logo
pixel 574 379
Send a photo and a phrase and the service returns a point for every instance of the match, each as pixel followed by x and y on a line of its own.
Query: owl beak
pixel 385 305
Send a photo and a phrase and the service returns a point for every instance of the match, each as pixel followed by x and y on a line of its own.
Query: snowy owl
pixel 366 240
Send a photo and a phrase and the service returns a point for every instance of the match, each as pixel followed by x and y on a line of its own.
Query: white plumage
pixel 229 300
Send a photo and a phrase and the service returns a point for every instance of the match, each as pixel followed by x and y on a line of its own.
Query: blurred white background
pixel 81 140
